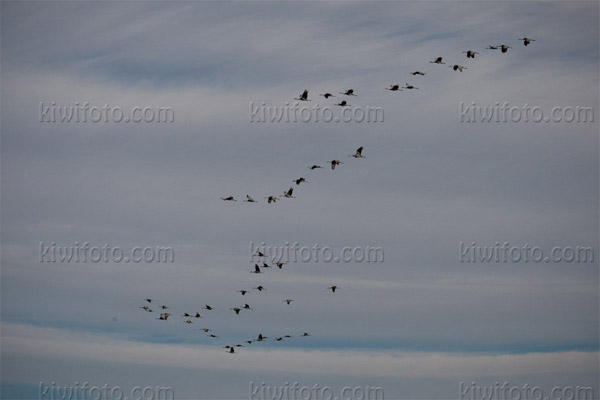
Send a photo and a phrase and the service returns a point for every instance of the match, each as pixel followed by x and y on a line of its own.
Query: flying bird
pixel 527 40
pixel 247 307
pixel 327 95
pixel 342 103
pixel 236 310
pixel 349 92
pixel 299 180
pixel 271 199
pixel 418 73
pixel 315 166
pixel 256 270
pixel 394 88
pixel 470 53
pixel 490 47
pixel 149 300
pixel 288 301
pixel 305 334
pixel 409 86
pixel 164 316
pixel 260 288
pixel 207 307
pixel 333 288
pixel 437 61
pixel 334 163
pixel 358 153
pixel 303 96
pixel 288 194
pixel 249 199
pixel 505 48
pixel 243 292
pixel 280 264
pixel 457 67
pixel 230 198
pixel 197 315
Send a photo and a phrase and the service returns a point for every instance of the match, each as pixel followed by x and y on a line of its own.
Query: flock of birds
pixel 187 317
pixel 288 194
pixel 258 269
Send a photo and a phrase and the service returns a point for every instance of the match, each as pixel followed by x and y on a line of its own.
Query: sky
pixel 417 323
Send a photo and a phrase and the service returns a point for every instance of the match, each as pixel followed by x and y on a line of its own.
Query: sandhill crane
pixel 186 315
pixel 327 95
pixel 259 254
pixel 164 307
pixel 315 166
pixel 146 308
pixel 457 67
pixel 437 61
pixel 342 103
pixel 149 300
pixel 470 53
pixel 212 336
pixel 409 86
pixel 505 48
pixel 306 334
pixel 358 153
pixel 265 265
pixel 418 73
pixel 261 337
pixel 334 163
pixel 333 288
pixel 288 194
pixel 197 315
pixel 490 47
pixel 288 336
pixel 189 321
pixel 206 330
pixel 280 264
pixel 288 301
pixel 394 88
pixel 249 199
pixel 247 307
pixel 256 270
pixel 249 341
pixel 299 180
pixel 207 307
pixel 279 339
pixel 303 96
pixel 271 199
pixel 230 198
pixel 260 288
pixel 236 310
pixel 349 92
pixel 527 40
pixel 231 350
pixel 163 316
pixel 243 292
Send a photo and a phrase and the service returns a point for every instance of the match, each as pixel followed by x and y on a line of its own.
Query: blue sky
pixel 418 323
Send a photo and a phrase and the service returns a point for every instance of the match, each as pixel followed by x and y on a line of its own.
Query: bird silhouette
pixel 358 153
pixel 303 96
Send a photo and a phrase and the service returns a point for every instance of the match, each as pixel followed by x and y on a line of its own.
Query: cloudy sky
pixel 416 324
